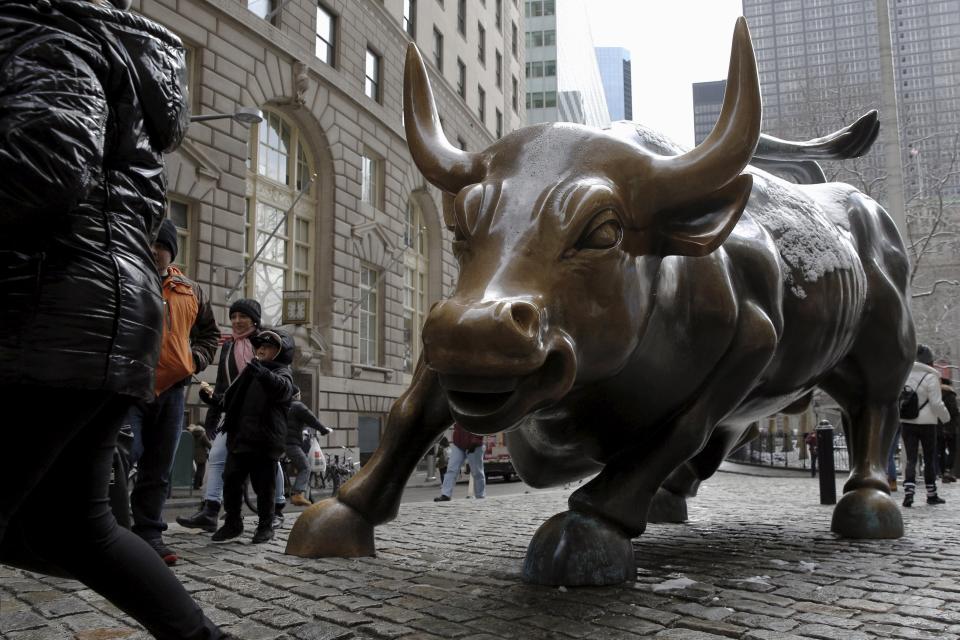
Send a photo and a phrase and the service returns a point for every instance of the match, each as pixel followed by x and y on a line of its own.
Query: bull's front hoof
pixel 574 549
pixel 668 507
pixel 330 528
pixel 867 513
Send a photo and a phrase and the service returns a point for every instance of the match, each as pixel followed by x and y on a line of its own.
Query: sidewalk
pixel 755 562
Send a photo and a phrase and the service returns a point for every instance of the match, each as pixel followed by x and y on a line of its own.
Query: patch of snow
pixel 809 567
pixel 681 582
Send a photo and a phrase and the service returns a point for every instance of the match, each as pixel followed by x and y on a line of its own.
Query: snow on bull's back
pixel 813 237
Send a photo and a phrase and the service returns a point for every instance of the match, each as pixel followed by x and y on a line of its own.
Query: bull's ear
pixel 699 228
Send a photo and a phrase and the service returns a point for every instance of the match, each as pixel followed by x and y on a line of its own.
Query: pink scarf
pixel 242 349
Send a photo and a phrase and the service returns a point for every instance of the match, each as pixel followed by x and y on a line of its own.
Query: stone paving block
pixel 60 607
pixel 711 626
pixel 249 630
pixel 854 606
pixel 559 625
pixel 833 621
pixel 280 620
pixel 890 631
pixel 447 629
pixel 903 621
pixel 320 631
pixel 938 614
pixel 763 634
pixel 453 614
pixel 696 610
pixel 749 606
pixel 342 618
pixel 637 626
pixel 687 634
pixel 824 632
pixel 20 621
pixel 352 603
pixel 381 629
pixel 756 621
pixel 51 632
pixel 108 633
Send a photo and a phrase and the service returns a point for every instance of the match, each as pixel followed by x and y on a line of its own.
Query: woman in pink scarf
pixel 235 354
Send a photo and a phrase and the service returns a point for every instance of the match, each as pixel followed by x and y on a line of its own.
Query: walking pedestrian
pixel 951 431
pixel 466 447
pixel 255 421
pixel 237 351
pixel 201 451
pixel 299 417
pixel 91 97
pixel 189 344
pixel 811 441
pixel 921 429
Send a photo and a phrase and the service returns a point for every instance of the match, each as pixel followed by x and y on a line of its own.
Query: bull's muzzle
pixel 497 360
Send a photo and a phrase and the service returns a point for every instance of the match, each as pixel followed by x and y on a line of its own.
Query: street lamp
pixel 243 115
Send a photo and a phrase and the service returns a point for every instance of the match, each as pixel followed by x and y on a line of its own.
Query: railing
pixel 787 450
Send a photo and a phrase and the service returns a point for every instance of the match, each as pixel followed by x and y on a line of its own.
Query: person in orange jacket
pixel 189 344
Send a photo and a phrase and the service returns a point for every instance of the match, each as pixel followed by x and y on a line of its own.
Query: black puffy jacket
pixel 255 404
pixel 90 98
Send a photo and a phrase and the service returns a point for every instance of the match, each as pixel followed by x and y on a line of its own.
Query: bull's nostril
pixel 527 317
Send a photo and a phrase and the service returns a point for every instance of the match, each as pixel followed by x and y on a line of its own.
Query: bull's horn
pixel 442 164
pixel 727 150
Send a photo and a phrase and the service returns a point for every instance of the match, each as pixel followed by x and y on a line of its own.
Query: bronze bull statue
pixel 628 310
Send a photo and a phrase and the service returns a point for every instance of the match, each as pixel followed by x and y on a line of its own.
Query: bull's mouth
pixel 491 403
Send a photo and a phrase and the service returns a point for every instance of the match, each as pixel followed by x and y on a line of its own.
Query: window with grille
pixel 326 34
pixel 369 309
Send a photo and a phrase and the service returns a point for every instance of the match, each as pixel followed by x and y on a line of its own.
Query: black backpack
pixel 909 401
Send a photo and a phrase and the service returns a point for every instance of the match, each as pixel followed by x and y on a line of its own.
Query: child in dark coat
pixel 255 421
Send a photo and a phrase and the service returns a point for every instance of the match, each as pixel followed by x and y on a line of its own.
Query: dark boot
pixel 205 519
pixel 263 533
pixel 232 527
pixel 278 515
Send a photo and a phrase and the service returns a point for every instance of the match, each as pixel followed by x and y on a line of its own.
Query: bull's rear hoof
pixel 331 529
pixel 867 513
pixel 574 549
pixel 667 506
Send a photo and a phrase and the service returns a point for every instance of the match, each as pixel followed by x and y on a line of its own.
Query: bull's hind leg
pixel 342 526
pixel 670 502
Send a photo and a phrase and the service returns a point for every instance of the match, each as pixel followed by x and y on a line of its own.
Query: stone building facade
pixel 321 198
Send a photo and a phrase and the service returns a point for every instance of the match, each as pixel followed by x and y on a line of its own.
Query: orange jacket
pixel 190 332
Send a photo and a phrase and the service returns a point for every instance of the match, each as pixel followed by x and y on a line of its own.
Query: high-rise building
pixel 707 101
pixel 614 65
pixel 820 67
pixel 563 81
pixel 353 264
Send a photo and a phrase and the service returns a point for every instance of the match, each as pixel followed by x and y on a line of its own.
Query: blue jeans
pixel 891 461
pixel 475 458
pixel 217 460
pixel 156 433
pixel 300 466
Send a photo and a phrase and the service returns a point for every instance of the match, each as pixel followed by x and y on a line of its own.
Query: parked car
pixel 496 458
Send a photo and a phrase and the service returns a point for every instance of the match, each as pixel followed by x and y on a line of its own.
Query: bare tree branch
pixel 923 294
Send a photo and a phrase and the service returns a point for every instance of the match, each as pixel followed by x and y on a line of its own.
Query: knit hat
pixel 248 307
pixel 167 236
pixel 924 354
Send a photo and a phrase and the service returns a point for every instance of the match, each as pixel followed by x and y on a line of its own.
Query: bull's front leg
pixel 342 525
pixel 591 543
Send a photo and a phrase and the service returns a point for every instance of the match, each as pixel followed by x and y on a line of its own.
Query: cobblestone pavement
pixel 756 562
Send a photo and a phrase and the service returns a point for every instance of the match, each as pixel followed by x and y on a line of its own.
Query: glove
pixel 324 430
pixel 256 368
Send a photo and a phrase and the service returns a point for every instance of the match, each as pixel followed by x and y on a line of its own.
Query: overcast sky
pixel 672 44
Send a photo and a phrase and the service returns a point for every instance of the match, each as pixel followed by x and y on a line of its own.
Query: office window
pixel 278 164
pixel 369 342
pixel 414 284
pixel 514 39
pixel 326 34
pixel 462 17
pixel 499 116
pixel 438 49
pixel 410 17
pixel 265 9
pixel 179 212
pixel 516 95
pixel 549 7
pixel 481 44
pixel 482 104
pixel 461 79
pixel 498 15
pixel 549 37
pixel 371 179
pixel 371 85
pixel 499 70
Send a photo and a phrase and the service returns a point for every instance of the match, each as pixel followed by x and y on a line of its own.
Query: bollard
pixel 828 481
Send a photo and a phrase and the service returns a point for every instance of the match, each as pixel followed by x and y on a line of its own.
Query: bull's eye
pixel 603 232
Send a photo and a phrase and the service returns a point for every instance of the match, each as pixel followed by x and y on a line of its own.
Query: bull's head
pixel 559 231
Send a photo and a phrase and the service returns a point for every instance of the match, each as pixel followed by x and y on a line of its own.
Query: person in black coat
pixel 299 417
pixel 91 96
pixel 255 421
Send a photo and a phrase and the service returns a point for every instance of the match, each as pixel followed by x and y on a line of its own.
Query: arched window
pixel 415 278
pixel 278 167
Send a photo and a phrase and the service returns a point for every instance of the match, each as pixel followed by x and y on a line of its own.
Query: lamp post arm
pixel 270 237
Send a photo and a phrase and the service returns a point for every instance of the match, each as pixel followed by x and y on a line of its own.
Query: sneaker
pixel 442 498
pixel 166 553
pixel 299 500
pixel 949 477
pixel 908 500
pixel 935 500
pixel 228 531
pixel 262 534
pixel 277 520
